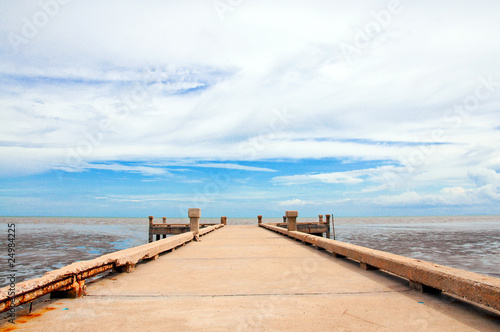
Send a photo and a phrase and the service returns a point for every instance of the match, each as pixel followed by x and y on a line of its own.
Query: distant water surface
pixel 46 243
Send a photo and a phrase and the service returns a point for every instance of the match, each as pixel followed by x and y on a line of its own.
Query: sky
pixel 355 108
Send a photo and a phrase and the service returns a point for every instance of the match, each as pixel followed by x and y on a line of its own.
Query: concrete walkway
pixel 248 278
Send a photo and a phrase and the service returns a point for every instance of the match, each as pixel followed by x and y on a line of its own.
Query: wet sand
pixel 472 250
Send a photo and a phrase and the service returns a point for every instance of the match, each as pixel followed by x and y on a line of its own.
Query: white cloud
pixel 232 166
pixel 336 177
pixel 158 168
pixel 448 196
pixel 145 198
pixel 296 202
pixel 176 83
pixel 485 177
pixel 126 168
pixel 346 177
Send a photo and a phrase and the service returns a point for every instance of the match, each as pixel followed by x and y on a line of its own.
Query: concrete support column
pixel 127 268
pixel 423 288
pixel 150 224
pixel 291 217
pixel 164 221
pixel 328 233
pixel 73 291
pixel 223 220
pixel 259 219
pixel 194 221
pixel 366 266
pixel 320 218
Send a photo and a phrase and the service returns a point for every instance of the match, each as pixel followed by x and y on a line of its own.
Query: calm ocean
pixel 46 243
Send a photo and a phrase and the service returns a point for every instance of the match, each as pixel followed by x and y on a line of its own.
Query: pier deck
pixel 249 278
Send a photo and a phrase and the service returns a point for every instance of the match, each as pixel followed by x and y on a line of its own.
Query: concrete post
pixel 194 221
pixel 320 218
pixel 150 233
pixel 223 220
pixel 291 217
pixel 284 219
pixel 328 233
pixel 164 220
pixel 73 291
pixel 259 219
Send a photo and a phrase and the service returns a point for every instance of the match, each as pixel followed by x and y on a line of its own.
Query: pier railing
pixel 157 231
pixel 423 276
pixel 310 227
pixel 69 281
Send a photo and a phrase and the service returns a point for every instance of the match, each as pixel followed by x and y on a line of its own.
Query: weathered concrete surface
pixel 472 286
pixel 248 278
pixel 71 277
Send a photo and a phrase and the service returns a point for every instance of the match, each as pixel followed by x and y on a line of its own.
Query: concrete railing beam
pixel 422 275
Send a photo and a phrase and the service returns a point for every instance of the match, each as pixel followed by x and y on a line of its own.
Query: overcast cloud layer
pixel 384 107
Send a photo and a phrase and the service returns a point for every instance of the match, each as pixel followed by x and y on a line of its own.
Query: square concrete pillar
pixel 328 232
pixel 194 221
pixel 423 288
pixel 150 231
pixel 259 219
pixel 291 217
pixel 73 291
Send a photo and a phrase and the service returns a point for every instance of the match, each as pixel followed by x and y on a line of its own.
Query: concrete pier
pixel 246 278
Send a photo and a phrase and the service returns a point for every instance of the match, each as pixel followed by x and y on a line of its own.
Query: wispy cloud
pixel 145 198
pixel 296 202
pixel 233 166
pixel 148 171
pixel 448 196
pixel 349 177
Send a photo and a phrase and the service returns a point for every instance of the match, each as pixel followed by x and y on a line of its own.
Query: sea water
pixel 43 244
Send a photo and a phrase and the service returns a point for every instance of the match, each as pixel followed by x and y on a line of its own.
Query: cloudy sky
pixel 356 108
